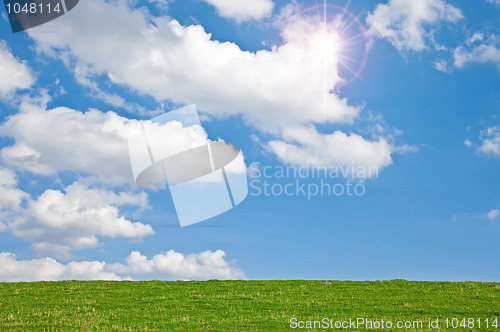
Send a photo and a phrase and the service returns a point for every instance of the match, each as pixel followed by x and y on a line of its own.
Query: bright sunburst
pixel 336 38
pixel 326 45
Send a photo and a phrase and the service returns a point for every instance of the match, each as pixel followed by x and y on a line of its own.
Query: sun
pixel 326 45
pixel 333 37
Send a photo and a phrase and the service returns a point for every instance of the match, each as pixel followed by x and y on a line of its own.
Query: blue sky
pixel 423 110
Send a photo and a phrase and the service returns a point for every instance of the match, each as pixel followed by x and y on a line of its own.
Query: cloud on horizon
pixel 170 265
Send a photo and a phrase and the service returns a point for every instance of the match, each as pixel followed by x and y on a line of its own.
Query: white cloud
pixel 48 269
pixel 243 10
pixel 311 148
pixel 205 265
pixel 47 142
pixel 442 66
pixel 14 73
pixel 409 24
pixel 490 141
pixel 58 222
pixel 493 214
pixel 161 4
pixel 92 143
pixel 286 14
pixel 171 265
pixel 10 196
pixel 478 36
pixel 478 50
pixel 159 57
pixel 496 2
pixel 467 143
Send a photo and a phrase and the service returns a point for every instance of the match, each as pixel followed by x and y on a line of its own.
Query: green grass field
pixel 240 305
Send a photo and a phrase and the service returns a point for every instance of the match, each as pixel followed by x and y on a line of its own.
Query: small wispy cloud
pixel 493 214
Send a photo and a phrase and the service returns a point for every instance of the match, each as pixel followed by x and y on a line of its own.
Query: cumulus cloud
pixel 478 49
pixel 57 222
pixel 496 2
pixel 50 141
pixel 94 143
pixel 47 142
pixel 48 269
pixel 171 265
pixel 409 24
pixel 305 146
pixel 10 196
pixel 243 10
pixel 490 141
pixel 14 73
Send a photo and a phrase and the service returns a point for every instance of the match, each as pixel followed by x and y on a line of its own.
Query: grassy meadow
pixel 242 305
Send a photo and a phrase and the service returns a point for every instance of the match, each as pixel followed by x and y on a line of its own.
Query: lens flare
pixel 334 36
pixel 326 45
